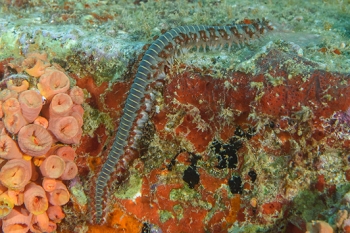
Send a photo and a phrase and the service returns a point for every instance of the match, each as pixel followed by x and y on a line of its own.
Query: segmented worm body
pixel 159 54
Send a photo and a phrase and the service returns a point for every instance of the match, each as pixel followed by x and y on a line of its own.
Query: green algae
pixel 165 215
pixel 308 205
pixel 179 211
pixel 8 45
pixel 94 118
pixel 187 194
pixel 275 81
pixel 131 188
pixel 78 192
pixel 249 228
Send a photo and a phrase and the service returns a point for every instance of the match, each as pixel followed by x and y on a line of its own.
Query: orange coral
pixel 11 106
pixel 6 205
pixel 77 95
pixel 61 105
pixel 11 85
pixel 42 121
pixel 15 174
pixel 40 223
pixel 55 213
pixel 13 119
pixel 35 199
pixel 70 171
pixel 65 129
pixel 66 152
pixel 34 140
pixel 8 147
pixel 14 122
pixel 38 69
pixel 49 184
pixel 52 227
pixel 16 196
pixel 6 94
pixel 53 82
pixel 31 104
pixel 19 220
pixel 59 196
pixel 52 167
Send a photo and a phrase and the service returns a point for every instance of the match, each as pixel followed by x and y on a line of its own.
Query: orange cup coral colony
pixel 40 114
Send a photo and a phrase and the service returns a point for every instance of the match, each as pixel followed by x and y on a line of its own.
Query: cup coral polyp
pixel 66 129
pixel 8 147
pixel 49 184
pixel 70 171
pixel 40 223
pixel 59 196
pixel 15 174
pixel 16 196
pixel 13 119
pixel 22 86
pixel 6 205
pixel 53 82
pixel 14 122
pixel 52 167
pixel 11 106
pixel 34 140
pixel 42 121
pixel 55 213
pixel 77 95
pixel 35 199
pixel 31 104
pixel 52 227
pixel 6 94
pixel 78 117
pixel 38 68
pixel 78 109
pixel 66 153
pixel 18 220
pixel 61 104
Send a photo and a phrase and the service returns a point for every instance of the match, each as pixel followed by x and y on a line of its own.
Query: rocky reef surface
pixel 255 139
